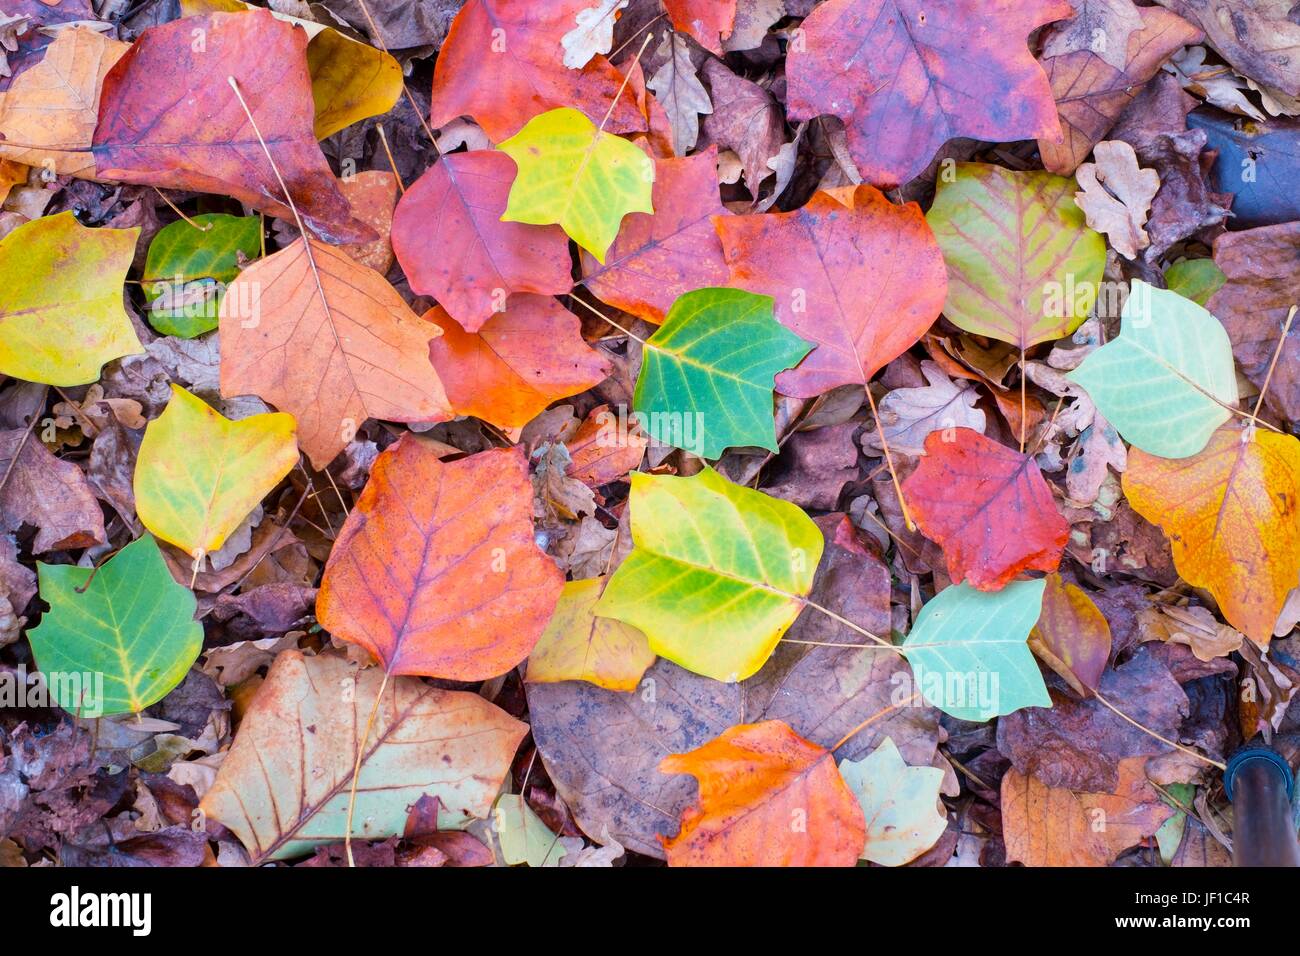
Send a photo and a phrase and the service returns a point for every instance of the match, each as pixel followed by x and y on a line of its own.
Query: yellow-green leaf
pixel 199 474
pixel 61 315
pixel 577 645
pixel 576 175
pixel 716 574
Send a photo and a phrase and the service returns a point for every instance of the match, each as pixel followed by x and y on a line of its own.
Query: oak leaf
pixel 852 272
pixel 988 506
pixel 330 341
pixel 518 362
pixel 1115 196
pixel 435 571
pixel 755 780
pixel 906 76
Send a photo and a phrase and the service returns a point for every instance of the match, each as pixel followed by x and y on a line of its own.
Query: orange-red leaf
pixel 519 362
pixel 988 506
pixel 708 21
pixel 905 76
pixel 658 257
pixel 435 571
pixel 502 64
pixel 168 117
pixel 767 798
pixel 452 244
pixel 851 271
pixel 605 447
pixel 1232 514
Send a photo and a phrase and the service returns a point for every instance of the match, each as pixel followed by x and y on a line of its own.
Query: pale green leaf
pixel 900 804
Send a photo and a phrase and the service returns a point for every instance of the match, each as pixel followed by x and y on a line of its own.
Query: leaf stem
pixel 383 138
pixel 873 718
pixel 356 770
pixel 595 311
pixel 1164 740
pixel 889 460
pixel 1277 353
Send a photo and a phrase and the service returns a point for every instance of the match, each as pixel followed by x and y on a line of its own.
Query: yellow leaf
pixel 199 474
pixel 61 315
pixel 576 175
pixel 1232 514
pixel 577 645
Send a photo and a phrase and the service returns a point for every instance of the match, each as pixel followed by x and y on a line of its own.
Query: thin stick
pixel 346 511
pixel 1163 740
pixel 1277 352
pixel 889 460
pixel 379 38
pixel 356 770
pixel 31 426
pixel 595 311
pixel 391 162
pixel 874 717
pixel 627 75
pixel 176 209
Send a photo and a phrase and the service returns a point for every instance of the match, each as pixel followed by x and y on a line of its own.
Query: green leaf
pixel 716 573
pixel 188 269
pixel 1167 381
pixel 1195 279
pixel 576 175
pixel 970 654
pixel 130 622
pixel 523 837
pixel 707 375
pixel 61 315
pixel 1023 267
pixel 900 804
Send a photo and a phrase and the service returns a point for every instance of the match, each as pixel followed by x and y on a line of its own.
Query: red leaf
pixel 453 246
pixel 905 76
pixel 708 21
pixel 658 257
pixel 502 64
pixel 168 118
pixel 851 271
pixel 988 506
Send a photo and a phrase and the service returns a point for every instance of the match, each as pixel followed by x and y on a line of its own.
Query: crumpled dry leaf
pixel 680 92
pixel 908 415
pixel 47 493
pixel 1116 194
pixel 1193 626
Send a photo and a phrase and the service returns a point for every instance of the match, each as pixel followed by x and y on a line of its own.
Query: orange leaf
pixel 502 63
pixel 332 354
pixel 452 244
pixel 905 76
pixel 371 196
pixel 1072 636
pixel 851 271
pixel 168 117
pixel 519 362
pixel 435 571
pixel 605 447
pixel 1231 516
pixel 658 257
pixel 987 506
pixel 708 21
pixel 767 798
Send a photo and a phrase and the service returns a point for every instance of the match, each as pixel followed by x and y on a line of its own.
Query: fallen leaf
pixel 885 67
pixel 900 804
pixel 1256 38
pixel 48 494
pixel 605 448
pixel 188 266
pixel 756 562
pixel 126 622
pixel 1071 636
pixel 850 271
pixel 746 119
pixel 283 787
pixel 472 592
pixel 61 315
pixel 680 92
pixel 518 362
pixel 452 244
pixel 580 177
pixel 1116 195
pixel 372 197
pixel 522 835
pixel 1193 626
pixel 1229 513
pixel 988 506
pixel 707 21
pixel 198 474
pixel 141 138
pixel 577 645
pixel 1022 266
pixel 593 34
pixel 909 415
pixel 1098 26
pixel 767 798
pixel 331 342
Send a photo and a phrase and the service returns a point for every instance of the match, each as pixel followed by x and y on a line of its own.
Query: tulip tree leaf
pixel 969 650
pixel 713 362
pixel 900 804
pixel 187 270
pixel 1167 381
pixel 578 176
pixel 716 573
pixel 129 621
pixel 199 474
pixel 1195 279
pixel 61 315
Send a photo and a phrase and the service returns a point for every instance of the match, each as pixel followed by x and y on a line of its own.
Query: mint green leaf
pixel 1167 382
pixel 188 268
pixel 970 654
pixel 707 375
pixel 132 624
